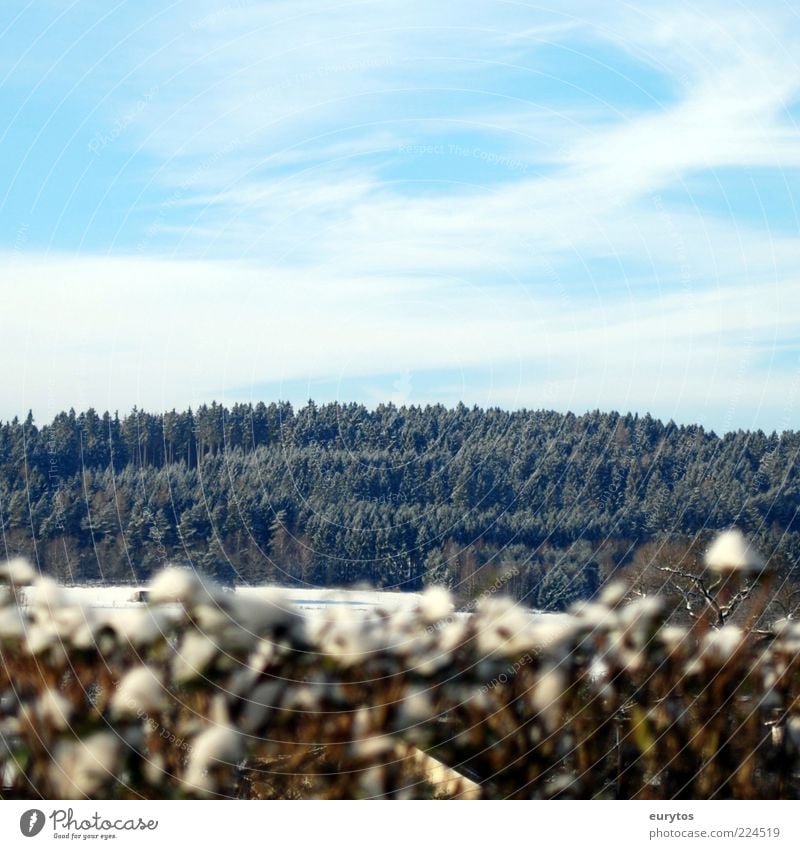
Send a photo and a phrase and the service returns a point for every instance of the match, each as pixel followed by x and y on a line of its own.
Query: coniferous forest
pixel 546 504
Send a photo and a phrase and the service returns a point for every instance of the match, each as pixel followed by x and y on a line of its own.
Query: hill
pixel 544 504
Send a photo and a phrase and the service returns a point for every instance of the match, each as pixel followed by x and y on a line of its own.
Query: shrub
pixel 202 692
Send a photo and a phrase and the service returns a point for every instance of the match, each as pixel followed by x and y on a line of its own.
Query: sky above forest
pixel 570 206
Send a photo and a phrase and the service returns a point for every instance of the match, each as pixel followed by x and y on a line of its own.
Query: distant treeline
pixel 539 503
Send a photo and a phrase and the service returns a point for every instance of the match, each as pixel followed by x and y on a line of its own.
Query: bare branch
pixel 704 590
pixel 738 597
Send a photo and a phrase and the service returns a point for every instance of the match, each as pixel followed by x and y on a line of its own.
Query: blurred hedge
pixel 209 693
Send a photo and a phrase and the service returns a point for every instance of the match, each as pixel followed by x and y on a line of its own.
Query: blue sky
pixel 585 207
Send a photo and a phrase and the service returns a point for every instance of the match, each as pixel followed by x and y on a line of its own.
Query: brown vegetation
pixel 211 693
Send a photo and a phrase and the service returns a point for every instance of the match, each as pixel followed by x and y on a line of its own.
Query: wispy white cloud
pixel 225 327
pixel 599 200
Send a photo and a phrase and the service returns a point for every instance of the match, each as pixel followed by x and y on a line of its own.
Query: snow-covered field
pixel 321 600
pixel 308 600
pixel 99 597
